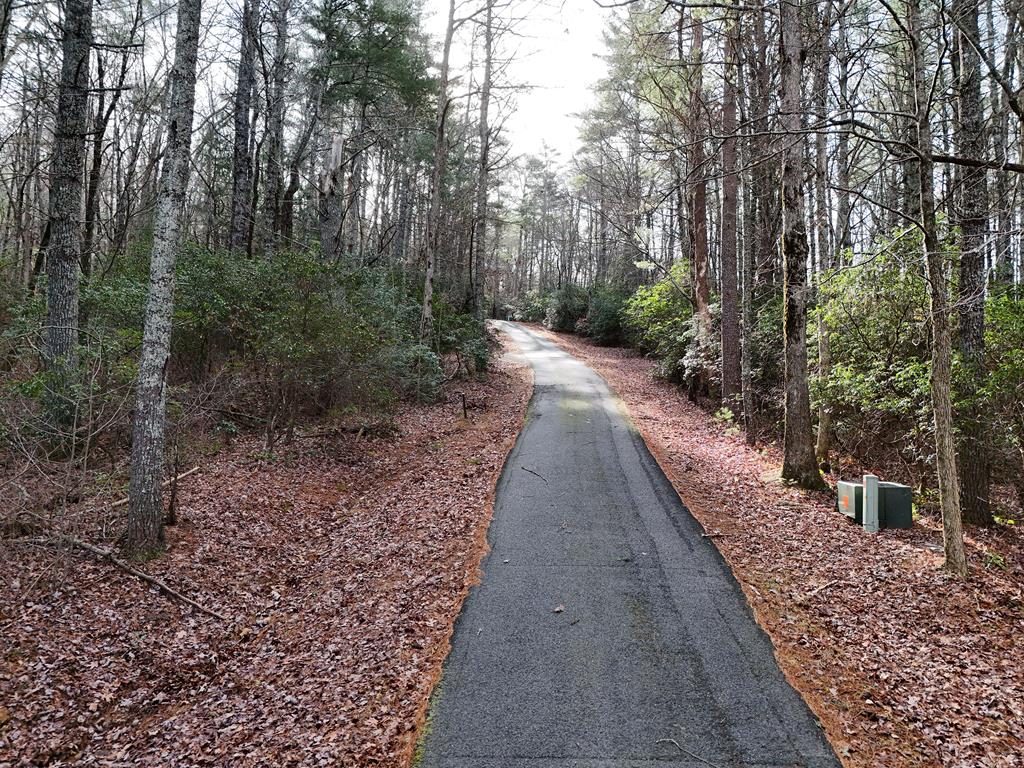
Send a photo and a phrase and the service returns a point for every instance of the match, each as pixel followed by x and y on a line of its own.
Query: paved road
pixel 605 625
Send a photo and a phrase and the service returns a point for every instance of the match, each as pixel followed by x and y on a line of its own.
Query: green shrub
pixel 603 321
pixel 564 308
pixel 279 336
pixel 528 308
pixel 876 317
pixel 657 320
pixel 414 371
pixel 463 336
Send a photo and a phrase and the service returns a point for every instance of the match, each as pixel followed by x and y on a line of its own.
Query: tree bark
pixel 274 173
pixel 799 464
pixel 241 163
pixel 971 215
pixel 440 157
pixel 64 250
pixel 698 175
pixel 483 169
pixel 144 534
pixel 822 212
pixel 941 373
pixel 731 373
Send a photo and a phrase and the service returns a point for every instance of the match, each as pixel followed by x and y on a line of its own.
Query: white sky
pixel 558 47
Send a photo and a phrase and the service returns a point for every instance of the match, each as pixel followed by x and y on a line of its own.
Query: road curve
pixel 606 630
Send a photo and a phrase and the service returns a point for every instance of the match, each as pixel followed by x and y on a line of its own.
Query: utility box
pixel 895 503
pixel 850 500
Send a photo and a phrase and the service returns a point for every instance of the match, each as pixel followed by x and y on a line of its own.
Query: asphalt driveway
pixel 606 630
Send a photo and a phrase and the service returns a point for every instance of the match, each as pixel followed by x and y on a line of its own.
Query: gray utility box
pixel 895 503
pixel 850 500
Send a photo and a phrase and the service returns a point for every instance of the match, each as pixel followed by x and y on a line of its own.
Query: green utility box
pixel 895 503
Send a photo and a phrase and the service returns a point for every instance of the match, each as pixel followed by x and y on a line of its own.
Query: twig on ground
pixel 109 556
pixel 538 474
pixel 818 589
pixel 694 755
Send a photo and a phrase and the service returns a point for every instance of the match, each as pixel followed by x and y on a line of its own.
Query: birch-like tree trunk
pixel 799 463
pixel 64 251
pixel 941 373
pixel 749 249
pixel 145 495
pixel 822 215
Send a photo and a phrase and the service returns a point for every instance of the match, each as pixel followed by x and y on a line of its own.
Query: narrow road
pixel 606 631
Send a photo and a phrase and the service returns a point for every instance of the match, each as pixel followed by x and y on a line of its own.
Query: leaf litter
pixel 341 563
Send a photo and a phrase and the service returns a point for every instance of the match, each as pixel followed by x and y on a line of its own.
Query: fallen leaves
pixel 904 666
pixel 343 561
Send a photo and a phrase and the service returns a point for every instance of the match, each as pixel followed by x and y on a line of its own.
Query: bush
pixel 876 316
pixel 564 308
pixel 1004 390
pixel 657 320
pixel 415 372
pixel 603 321
pixel 277 337
pixel 528 308
pixel 462 336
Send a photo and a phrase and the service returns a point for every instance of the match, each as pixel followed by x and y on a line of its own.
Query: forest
pixel 252 254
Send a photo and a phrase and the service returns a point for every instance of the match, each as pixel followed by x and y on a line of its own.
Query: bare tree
pixel 799 463
pixel 479 256
pixel 731 374
pixel 971 214
pixel 941 373
pixel 241 175
pixel 64 252
pixel 432 236
pixel 145 506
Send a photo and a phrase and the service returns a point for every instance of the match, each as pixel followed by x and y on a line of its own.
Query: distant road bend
pixel 606 630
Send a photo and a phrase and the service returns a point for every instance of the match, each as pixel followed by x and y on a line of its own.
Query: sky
pixel 557 54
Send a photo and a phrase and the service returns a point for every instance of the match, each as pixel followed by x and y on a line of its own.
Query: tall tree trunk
pixel 145 505
pixel 1003 276
pixel 941 373
pixel 241 163
pixel 731 374
pixel 698 174
pixel 64 250
pixel 352 221
pixel 440 157
pixel 971 216
pixel 822 213
pixel 799 464
pixel 274 174
pixel 483 169
pixel 749 248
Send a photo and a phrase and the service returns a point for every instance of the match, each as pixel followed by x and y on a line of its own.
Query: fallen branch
pixel 176 478
pixel 109 556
